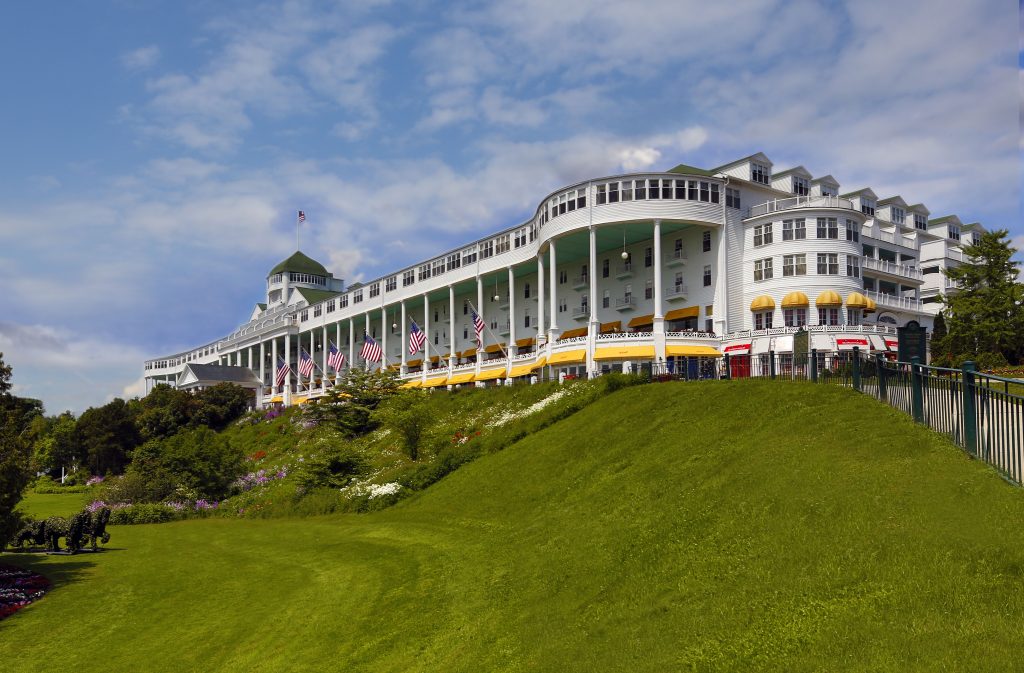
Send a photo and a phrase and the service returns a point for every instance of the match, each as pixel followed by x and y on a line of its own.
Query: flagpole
pixel 296 232
pixel 496 339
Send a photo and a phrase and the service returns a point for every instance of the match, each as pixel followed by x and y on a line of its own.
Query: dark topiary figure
pixel 98 526
pixel 33 532
pixel 56 528
pixel 78 529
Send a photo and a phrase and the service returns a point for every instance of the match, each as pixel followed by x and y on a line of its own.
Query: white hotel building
pixel 629 270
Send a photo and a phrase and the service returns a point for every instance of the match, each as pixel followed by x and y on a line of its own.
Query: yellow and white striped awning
pixel 464 377
pixel 491 374
pixel 692 351
pixel 624 353
pixel 435 382
pixel 568 357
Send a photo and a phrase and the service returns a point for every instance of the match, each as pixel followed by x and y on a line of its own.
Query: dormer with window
pixel 892 209
pixel 760 173
pixel 756 168
pixel 917 215
pixel 824 186
pixel 864 200
pixel 970 234
pixel 947 227
pixel 796 181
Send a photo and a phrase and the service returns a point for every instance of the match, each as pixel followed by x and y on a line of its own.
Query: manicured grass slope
pixel 715 526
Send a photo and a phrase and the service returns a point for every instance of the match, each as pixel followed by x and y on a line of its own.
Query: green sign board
pixel 913 342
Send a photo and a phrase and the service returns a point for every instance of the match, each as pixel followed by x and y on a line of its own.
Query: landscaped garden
pixel 750 525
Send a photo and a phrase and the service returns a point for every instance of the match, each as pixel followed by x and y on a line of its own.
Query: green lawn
pixel 737 526
pixel 42 505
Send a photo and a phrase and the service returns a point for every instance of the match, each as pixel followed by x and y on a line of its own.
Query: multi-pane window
pixel 486 249
pixel 707 275
pixel 640 190
pixel 454 261
pixel 318 310
pixel 794 265
pixel 853 266
pixel 605 268
pixel 795 317
pixel 705 242
pixel 330 306
pixel 520 239
pixel 357 296
pixel 606 299
pixel 526 290
pixel 954 233
pixel 763 320
pixel 828 316
pixel 602 194
pixel 853 316
pixel 763 268
pixel 391 283
pixel 613 192
pixel 626 190
pixel 828 263
pixel 705 191
pixel 852 231
pixel 898 215
pixel 424 272
pixel 666 189
pixel 829 191
pixel 794 229
pixel 501 244
pixel 343 300
pixel 680 189
pixel 867 206
pixel 732 197
pixel 581 198
pixel 715 194
pixel 801 187
pixel 648 257
pixel 437 267
pixel 649 290
pixel 468 257
pixel 762 234
pixel 920 222
pixel 408 278
pixel 828 227
pixel 759 173
pixel 375 290
pixel 693 190
pixel 304 315
pixel 563 277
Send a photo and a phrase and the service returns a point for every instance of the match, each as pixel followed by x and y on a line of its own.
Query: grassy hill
pixel 716 526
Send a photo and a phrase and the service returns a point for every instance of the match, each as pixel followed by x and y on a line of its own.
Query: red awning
pixel 892 344
pixel 849 343
pixel 737 349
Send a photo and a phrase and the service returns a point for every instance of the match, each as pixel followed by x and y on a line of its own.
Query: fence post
pixel 814 365
pixel 970 415
pixel 727 375
pixel 771 364
pixel 856 368
pixel 883 394
pixel 916 389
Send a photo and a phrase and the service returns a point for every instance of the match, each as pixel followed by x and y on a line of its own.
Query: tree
pixel 5 376
pixel 14 454
pixel 58 446
pixel 349 404
pixel 108 435
pixel 406 415
pixel 986 315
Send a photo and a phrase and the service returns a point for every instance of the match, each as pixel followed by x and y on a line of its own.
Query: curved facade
pixel 610 272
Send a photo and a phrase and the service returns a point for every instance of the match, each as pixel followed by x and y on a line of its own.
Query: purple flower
pixel 94 480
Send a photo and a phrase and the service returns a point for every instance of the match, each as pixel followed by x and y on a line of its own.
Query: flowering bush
pixel 94 480
pixel 258 456
pixel 18 588
pixel 254 479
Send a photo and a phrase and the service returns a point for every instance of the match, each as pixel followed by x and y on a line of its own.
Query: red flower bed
pixel 18 588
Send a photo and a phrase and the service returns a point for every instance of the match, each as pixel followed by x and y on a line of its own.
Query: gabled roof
pixel 315 296
pixel 919 208
pixel 893 201
pixel 198 374
pixel 974 226
pixel 826 180
pixel 690 170
pixel 945 219
pixel 796 170
pixel 300 263
pixel 861 192
pixel 759 158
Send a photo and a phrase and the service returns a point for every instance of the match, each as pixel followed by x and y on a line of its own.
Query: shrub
pixel 335 467
pixel 406 415
pixel 145 513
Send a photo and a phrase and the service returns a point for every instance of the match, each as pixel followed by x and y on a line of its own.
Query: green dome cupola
pixel 299 263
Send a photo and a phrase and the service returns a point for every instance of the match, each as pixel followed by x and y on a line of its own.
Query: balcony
pixel 901 271
pixel 580 313
pixel 624 270
pixel 945 287
pixel 895 301
pixel 676 293
pixel 676 257
pixel 505 328
pixel 580 282
pixel 776 205
pixel 627 303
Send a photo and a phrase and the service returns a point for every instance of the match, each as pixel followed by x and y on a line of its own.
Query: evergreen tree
pixel 14 454
pixel 986 315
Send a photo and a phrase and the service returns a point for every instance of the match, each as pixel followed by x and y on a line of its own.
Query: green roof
pixel 262 306
pixel 690 170
pixel 300 264
pixel 315 296
pixel 943 219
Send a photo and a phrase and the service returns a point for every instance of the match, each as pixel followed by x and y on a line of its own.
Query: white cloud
pixel 142 58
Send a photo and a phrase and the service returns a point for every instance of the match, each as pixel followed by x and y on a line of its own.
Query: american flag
pixel 335 358
pixel 371 351
pixel 306 364
pixel 282 371
pixel 302 217
pixel 416 338
pixel 478 327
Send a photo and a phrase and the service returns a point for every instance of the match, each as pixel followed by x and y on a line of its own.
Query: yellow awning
pixel 570 333
pixel 828 298
pixel 414 363
pixel 539 363
pixel 435 382
pixel 795 300
pixel 680 313
pixel 276 398
pixel 395 367
pixel 415 383
pixel 871 307
pixel 298 400
pixel 491 374
pixel 693 351
pixel 435 358
pixel 762 303
pixel 464 377
pixel 614 326
pixel 568 357
pixel 495 348
pixel 641 320
pixel 523 370
pixel 469 352
pixel 523 343
pixel 624 353
pixel 856 300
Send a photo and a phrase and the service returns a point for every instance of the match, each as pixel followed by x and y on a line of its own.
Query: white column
pixel 480 312
pixel 541 333
pixel 324 350
pixel 263 364
pixel 250 357
pixel 553 274
pixel 451 326
pixel 593 324
pixel 273 367
pixel 366 330
pixel 426 333
pixel 384 328
pixel 404 345
pixel 288 376
pixel 511 317
pixel 351 342
pixel 337 344
pixel 659 309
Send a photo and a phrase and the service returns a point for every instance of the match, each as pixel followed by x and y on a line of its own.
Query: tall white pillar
pixel 263 364
pixel 366 330
pixel 480 312
pixel 404 343
pixel 542 337
pixel 451 326
pixel 273 368
pixel 351 342
pixel 384 328
pixel 659 309
pixel 288 376
pixel 426 334
pixel 512 348
pixel 324 350
pixel 553 274
pixel 337 344
pixel 593 324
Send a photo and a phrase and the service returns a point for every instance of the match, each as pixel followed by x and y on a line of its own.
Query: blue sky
pixel 155 152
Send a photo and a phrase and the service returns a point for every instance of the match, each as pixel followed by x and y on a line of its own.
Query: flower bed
pixel 19 588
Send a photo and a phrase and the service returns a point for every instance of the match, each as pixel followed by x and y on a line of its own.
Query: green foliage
pixel 406 415
pixel 46 484
pixel 107 436
pixel 58 445
pixel 15 452
pixel 165 411
pixel 144 513
pixel 5 376
pixel 349 405
pixel 334 467
pixel 987 314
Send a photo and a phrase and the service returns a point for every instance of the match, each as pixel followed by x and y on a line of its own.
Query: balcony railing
pixel 624 270
pixel 580 313
pixel 580 282
pixel 895 301
pixel 850 329
pixel 892 268
pixel 625 303
pixel 776 205
pixel 676 257
pixel 675 292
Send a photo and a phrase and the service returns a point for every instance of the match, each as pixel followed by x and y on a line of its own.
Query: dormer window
pixel 867 206
pixel 759 173
pixel 801 187
pixel 829 191
pixel 898 215
pixel 954 233
pixel 920 222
